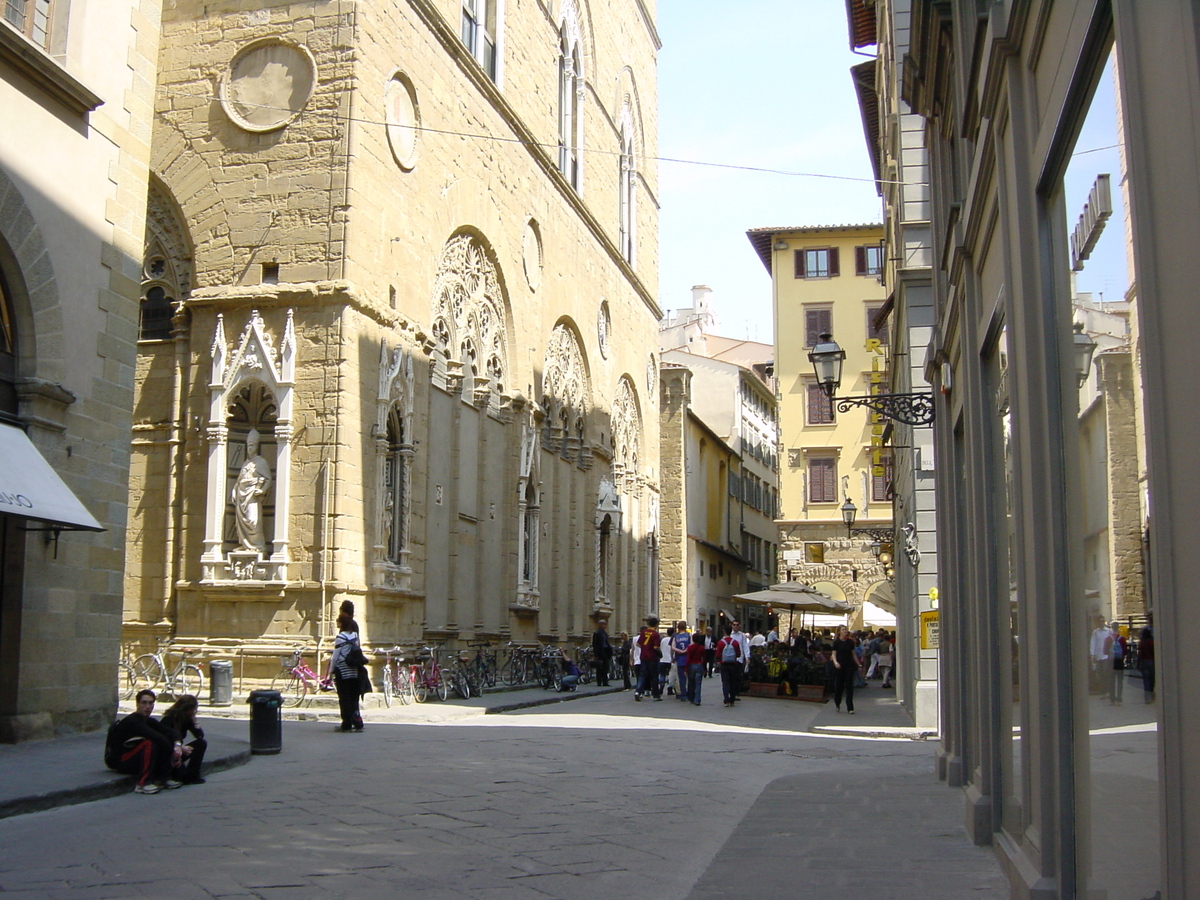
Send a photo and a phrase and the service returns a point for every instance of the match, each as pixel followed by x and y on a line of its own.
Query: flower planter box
pixel 812 693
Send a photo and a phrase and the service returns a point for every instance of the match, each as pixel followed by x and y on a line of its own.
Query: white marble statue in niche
pixel 249 496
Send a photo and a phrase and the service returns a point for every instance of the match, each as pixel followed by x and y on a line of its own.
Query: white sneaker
pixel 148 788
pixel 171 784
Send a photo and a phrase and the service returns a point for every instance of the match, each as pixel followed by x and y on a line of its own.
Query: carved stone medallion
pixel 403 118
pixel 268 84
pixel 531 254
pixel 603 327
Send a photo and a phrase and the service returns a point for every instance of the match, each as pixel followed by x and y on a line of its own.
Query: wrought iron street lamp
pixel 1084 348
pixel 849 511
pixel 911 409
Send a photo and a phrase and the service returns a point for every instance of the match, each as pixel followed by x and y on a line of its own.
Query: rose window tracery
pixel 469 316
pixel 566 393
pixel 627 429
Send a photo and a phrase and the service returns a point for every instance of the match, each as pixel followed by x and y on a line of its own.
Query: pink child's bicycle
pixel 296 680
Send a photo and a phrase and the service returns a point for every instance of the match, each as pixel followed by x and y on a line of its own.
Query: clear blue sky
pixel 766 83
pixel 762 83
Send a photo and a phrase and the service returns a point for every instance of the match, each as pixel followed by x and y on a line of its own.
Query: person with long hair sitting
pixel 181 720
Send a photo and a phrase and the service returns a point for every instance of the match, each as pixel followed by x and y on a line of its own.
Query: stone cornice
pixel 302 294
pixel 45 72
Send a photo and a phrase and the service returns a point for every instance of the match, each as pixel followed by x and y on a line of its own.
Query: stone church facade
pixel 398 329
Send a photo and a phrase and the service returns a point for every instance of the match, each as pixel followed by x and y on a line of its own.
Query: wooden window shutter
pixel 816 323
pixel 822 479
pixel 860 260
pixel 798 263
pixel 833 262
pixel 820 407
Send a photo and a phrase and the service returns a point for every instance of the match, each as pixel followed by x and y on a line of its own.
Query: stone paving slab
pixel 576 800
pixel 892 837
pixel 579 799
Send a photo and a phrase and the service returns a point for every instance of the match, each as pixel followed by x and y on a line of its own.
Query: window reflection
pixel 1113 615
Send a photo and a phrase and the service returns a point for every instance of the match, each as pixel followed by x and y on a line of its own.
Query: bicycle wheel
pixel 291 687
pixel 508 672
pixel 387 685
pixel 488 673
pixel 419 685
pixel 556 681
pixel 474 683
pixel 147 673
pixel 441 685
pixel 126 683
pixel 187 679
pixel 402 684
pixel 461 687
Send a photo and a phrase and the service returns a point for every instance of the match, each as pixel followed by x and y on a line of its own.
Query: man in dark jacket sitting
pixel 140 745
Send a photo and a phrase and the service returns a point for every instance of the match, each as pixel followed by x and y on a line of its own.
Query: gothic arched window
pixel 627 197
pixel 570 97
pixel 394 463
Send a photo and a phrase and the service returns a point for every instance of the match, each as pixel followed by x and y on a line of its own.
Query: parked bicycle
pixel 126 681
pixel 462 677
pixel 399 678
pixel 521 665
pixel 430 677
pixel 483 665
pixel 151 672
pixel 550 668
pixel 296 681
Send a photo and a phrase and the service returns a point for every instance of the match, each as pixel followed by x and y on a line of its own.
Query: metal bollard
pixel 266 722
pixel 220 683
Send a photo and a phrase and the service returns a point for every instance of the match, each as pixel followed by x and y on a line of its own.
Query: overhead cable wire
pixel 551 147
pixel 554 147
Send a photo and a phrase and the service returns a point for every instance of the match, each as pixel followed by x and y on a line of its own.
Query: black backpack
pixel 112 749
pixel 354 657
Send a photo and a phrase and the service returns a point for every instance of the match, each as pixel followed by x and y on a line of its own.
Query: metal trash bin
pixel 266 722
pixel 220 683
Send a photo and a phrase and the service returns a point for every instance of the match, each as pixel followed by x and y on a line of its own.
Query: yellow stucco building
pixel 827 279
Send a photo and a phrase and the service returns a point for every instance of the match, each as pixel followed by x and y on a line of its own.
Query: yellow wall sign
pixel 930 630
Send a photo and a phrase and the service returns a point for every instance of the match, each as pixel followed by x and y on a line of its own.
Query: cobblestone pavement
pixel 602 797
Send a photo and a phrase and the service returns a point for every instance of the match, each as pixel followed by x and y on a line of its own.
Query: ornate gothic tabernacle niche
pixel 250 398
pixel 394 451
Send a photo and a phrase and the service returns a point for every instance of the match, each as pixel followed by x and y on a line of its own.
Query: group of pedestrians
pixel 665 664
pixel 1109 653
pixel 677 662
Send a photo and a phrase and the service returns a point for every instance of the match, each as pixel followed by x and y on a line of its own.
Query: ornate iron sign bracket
pixel 883 535
pixel 911 409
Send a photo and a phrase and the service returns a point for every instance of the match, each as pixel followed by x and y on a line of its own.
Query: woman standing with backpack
pixel 344 667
